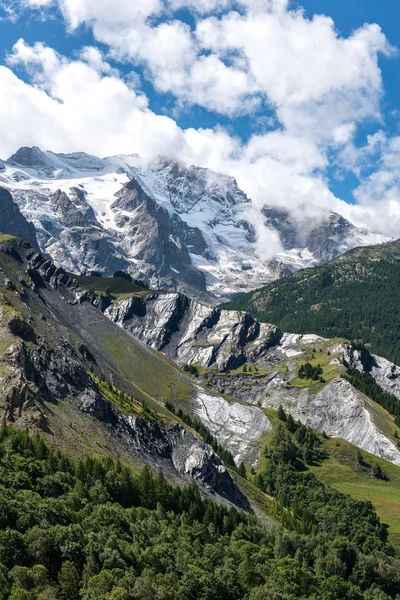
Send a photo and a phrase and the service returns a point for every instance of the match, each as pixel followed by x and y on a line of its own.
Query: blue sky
pixel 290 115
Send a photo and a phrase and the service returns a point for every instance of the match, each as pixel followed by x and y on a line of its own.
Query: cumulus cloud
pixel 239 57
pixel 72 104
pixel 378 195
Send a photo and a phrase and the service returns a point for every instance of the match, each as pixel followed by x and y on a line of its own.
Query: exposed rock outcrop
pixel 192 333
pixel 341 412
pixel 44 368
pixel 238 427
pixel 385 372
pixel 218 340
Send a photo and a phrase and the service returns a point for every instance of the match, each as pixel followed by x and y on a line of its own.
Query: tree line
pixel 93 530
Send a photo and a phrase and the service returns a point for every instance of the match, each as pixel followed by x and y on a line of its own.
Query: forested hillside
pixel 94 531
pixel 355 297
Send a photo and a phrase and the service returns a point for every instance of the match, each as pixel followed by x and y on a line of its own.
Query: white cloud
pixel 378 195
pixel 80 105
pixel 315 80
pixel 200 7
pixel 72 106
pixel 320 85
pixel 37 3
pixel 318 88
pixel 103 12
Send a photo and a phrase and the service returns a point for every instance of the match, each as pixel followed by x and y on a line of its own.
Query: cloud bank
pixel 310 86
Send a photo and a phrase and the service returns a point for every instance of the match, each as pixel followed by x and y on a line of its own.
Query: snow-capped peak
pixel 180 227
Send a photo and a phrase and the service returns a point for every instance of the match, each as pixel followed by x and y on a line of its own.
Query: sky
pixel 297 99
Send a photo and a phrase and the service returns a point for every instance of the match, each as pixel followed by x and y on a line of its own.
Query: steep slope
pixel 52 338
pixel 94 530
pixel 12 220
pixel 325 238
pixel 258 364
pixel 357 297
pixel 339 464
pixel 344 470
pixel 188 229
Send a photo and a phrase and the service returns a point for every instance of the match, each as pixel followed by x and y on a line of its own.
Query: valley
pixel 251 416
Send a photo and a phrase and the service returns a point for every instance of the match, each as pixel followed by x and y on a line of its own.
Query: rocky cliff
pixel 51 340
pixel 192 333
pixel 256 363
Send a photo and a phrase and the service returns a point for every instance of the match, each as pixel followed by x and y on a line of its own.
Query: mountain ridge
pixel 55 348
pixel 202 214
pixel 332 300
pixel 257 363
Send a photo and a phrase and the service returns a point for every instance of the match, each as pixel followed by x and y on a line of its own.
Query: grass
pixel 342 472
pixel 329 371
pixel 262 504
pixel 117 287
pixel 152 373
pixel 4 237
pixel 125 403
pixel 7 339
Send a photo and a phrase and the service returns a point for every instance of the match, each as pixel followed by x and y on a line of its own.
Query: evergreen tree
pixel 242 470
pixel 281 413
pixel 290 424
pixel 69 582
pixel 377 471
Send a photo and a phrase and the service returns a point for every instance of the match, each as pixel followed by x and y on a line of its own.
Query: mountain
pixel 116 414
pixel 57 349
pixel 258 364
pixel 176 227
pixel 244 365
pixel 324 238
pixel 356 297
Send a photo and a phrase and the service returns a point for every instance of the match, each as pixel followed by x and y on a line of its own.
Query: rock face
pixel 189 229
pixel 385 373
pixel 156 244
pixel 42 373
pixel 12 220
pixel 219 341
pixel 324 238
pixel 238 427
pixel 341 412
pixel 192 333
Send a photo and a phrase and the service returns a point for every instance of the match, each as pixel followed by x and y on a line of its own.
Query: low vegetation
pixel 117 288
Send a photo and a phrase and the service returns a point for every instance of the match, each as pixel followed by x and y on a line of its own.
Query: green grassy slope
pixel 118 287
pixel 355 297
pixel 134 367
pixel 341 470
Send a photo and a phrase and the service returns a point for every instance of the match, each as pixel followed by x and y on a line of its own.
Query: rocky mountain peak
pixel 186 187
pixel 280 219
pixel 31 157
pixel 181 227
